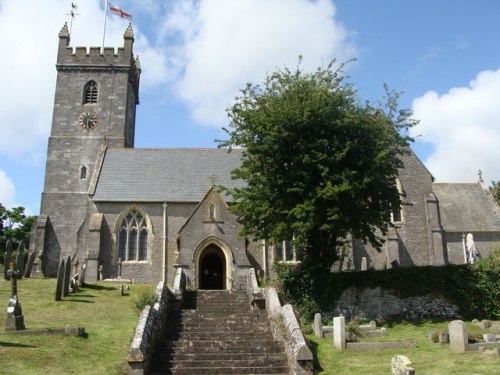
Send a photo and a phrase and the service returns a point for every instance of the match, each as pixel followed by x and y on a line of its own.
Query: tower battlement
pixel 88 58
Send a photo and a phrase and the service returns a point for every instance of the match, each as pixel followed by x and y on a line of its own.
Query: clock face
pixel 88 120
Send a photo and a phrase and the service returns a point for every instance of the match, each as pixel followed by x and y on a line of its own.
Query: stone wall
pixel 383 305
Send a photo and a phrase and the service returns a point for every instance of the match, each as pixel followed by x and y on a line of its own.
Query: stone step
pixel 217 335
pixel 222 356
pixel 222 343
pixel 252 362
pixel 165 349
pixel 221 370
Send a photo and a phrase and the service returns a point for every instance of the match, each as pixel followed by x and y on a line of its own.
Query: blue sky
pixel 195 55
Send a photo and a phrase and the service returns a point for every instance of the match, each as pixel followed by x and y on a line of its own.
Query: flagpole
pixel 104 29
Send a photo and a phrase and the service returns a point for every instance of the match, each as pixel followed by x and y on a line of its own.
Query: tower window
pixel 83 172
pixel 133 237
pixel 90 93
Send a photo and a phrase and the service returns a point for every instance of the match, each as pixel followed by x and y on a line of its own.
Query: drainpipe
pixel 164 238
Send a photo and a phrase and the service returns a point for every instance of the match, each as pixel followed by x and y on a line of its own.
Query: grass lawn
pixel 109 320
pixel 427 358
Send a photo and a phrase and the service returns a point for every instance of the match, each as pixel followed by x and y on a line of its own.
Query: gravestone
pixel 443 337
pixel 339 339
pixel 401 365
pixel 459 341
pixel 20 261
pixel 83 270
pixel 100 272
pixel 364 264
pixel 15 318
pixel 29 265
pixel 67 276
pixel 7 259
pixel 60 281
pixel 490 337
pixel 318 326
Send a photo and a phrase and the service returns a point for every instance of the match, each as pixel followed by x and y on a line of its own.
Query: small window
pixel 285 251
pixel 83 172
pixel 90 93
pixel 211 212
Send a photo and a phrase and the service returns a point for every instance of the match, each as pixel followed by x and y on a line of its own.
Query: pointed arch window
pixel 90 93
pixel 83 172
pixel 133 237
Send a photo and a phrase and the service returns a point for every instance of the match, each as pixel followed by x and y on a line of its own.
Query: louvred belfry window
pixel 90 93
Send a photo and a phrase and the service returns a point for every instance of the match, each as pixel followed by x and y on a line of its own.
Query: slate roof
pixel 467 208
pixel 157 175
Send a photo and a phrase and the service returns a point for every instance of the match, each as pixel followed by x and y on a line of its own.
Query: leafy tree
pixel 319 165
pixel 14 225
pixel 495 190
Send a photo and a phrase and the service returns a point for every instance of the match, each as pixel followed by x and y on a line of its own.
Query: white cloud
pixel 464 127
pixel 227 43
pixel 7 190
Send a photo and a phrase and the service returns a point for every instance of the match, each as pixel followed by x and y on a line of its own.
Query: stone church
pixel 145 212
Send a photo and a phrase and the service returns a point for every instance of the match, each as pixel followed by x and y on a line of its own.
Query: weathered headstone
pixel 15 318
pixel 459 341
pixel 7 259
pixel 60 281
pixel 83 270
pixel 339 339
pixel 318 326
pixel 401 365
pixel 490 337
pixel 485 323
pixel 67 276
pixel 30 264
pixel 100 272
pixel 20 261
pixel 364 264
pixel 443 337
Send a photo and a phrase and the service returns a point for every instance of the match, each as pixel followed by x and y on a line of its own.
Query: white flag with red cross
pixel 119 12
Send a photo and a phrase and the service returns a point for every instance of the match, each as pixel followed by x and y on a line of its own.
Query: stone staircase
pixel 215 332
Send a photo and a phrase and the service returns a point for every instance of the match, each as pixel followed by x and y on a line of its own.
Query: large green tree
pixel 320 165
pixel 495 190
pixel 15 226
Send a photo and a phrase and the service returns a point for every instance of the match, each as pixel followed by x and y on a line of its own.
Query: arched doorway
pixel 212 268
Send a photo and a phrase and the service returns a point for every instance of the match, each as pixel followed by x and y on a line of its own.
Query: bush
pixel 145 298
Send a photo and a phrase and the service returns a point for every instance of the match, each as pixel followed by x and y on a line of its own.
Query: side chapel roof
pixel 171 175
pixel 467 207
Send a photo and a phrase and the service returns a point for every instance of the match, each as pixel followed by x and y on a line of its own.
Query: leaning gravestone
pixel 67 276
pixel 7 260
pixel 20 261
pixel 83 270
pixel 459 341
pixel 60 281
pixel 29 265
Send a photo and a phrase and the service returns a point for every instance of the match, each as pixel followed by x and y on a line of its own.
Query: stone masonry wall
pixel 383 305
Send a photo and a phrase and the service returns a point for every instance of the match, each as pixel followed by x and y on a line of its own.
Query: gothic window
pixel 133 237
pixel 83 172
pixel 90 93
pixel 211 211
pixel 397 212
pixel 285 252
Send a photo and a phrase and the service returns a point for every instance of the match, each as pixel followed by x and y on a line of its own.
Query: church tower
pixel 94 108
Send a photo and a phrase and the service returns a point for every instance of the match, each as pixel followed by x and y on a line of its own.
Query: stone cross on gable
pixel 212 180
pixel 480 174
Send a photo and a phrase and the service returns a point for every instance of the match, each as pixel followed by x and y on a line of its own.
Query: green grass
pixel 427 358
pixel 109 320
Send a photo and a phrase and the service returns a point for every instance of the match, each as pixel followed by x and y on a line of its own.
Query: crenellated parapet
pixel 95 58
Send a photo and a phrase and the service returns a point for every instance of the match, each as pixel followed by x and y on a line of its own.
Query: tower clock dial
pixel 88 120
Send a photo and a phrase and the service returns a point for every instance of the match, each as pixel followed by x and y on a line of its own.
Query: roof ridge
pixel 176 149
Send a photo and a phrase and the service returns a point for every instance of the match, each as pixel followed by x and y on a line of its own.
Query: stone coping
pixel 69 331
pixel 118 281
